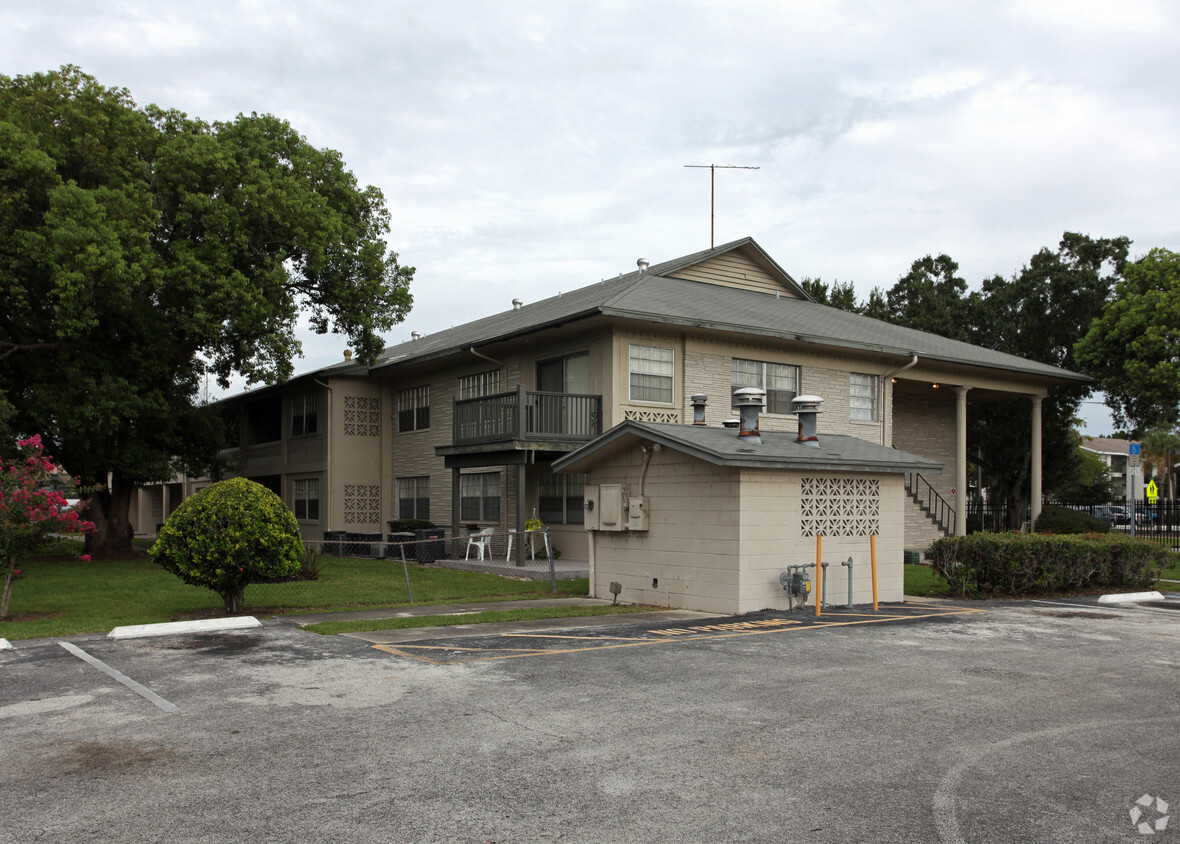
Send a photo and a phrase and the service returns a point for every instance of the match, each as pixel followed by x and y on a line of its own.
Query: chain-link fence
pixel 351 569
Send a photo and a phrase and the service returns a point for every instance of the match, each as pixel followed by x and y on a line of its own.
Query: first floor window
pixel 413 498
pixel 780 381
pixel 306 495
pixel 413 409
pixel 562 499
pixel 862 397
pixel 479 497
pixel 651 371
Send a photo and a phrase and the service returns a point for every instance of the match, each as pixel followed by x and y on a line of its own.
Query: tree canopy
pixel 1037 313
pixel 1133 346
pixel 142 250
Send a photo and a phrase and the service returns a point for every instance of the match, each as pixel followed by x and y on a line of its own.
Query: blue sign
pixel 1134 448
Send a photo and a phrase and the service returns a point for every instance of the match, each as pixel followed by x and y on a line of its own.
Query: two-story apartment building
pixel 461 426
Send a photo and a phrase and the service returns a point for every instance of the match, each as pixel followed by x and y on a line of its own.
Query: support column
pixel 456 500
pixel 1035 467
pixel 521 539
pixel 961 461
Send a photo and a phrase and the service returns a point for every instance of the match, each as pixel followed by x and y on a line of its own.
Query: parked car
pixel 1112 514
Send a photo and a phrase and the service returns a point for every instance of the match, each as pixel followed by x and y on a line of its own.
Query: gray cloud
pixel 530 147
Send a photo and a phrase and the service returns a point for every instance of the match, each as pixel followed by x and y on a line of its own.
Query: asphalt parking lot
pixel 1048 721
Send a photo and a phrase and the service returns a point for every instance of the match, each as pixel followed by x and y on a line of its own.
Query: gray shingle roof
pixel 778 450
pixel 653 296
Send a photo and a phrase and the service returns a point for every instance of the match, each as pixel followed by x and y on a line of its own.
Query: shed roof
pixel 723 447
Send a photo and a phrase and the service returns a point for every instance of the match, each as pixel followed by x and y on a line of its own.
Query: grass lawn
pixel 59 595
pixel 922 582
pixel 1172 573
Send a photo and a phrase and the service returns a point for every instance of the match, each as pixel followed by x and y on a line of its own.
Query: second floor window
pixel 304 418
pixel 780 381
pixel 479 385
pixel 652 370
pixel 862 397
pixel 413 409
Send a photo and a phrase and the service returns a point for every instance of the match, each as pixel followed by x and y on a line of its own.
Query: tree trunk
pixel 110 510
pixel 6 593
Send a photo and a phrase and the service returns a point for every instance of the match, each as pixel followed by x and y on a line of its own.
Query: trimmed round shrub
pixel 229 535
pixel 1056 519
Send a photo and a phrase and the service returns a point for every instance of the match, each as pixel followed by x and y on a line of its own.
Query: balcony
pixel 526 415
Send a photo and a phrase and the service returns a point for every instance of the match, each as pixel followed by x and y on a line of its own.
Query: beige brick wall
pixel 708 369
pixel 720 537
pixel 924 424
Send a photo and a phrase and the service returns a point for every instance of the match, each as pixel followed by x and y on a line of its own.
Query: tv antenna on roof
pixel 713 168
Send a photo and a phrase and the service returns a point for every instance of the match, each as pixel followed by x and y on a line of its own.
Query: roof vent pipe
pixel 698 408
pixel 517 304
pixel 807 409
pixel 643 264
pixel 748 401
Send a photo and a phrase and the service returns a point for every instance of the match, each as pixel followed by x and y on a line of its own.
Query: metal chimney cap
pixel 699 398
pixel 749 396
pixel 643 264
pixel 517 304
pixel 414 335
pixel 807 403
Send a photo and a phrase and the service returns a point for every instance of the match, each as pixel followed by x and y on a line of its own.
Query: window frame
pixel 763 379
pixel 570 490
pixel 413 490
pixel 413 409
pixel 633 373
pixel 304 414
pixel 305 507
pixel 487 483
pixel 480 384
pixel 853 397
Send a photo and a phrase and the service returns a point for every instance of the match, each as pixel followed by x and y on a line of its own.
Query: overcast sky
pixel 526 148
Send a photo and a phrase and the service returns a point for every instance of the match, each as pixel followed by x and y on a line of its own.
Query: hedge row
pixel 1018 565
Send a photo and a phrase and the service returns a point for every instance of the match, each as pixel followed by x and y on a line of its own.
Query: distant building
pixel 1115 454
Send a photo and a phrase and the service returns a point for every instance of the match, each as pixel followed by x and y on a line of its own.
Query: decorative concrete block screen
pixel 840 506
pixel 672 416
pixel 362 416
pixel 362 504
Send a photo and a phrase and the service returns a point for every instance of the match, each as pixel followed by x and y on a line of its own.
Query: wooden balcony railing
pixel 527 414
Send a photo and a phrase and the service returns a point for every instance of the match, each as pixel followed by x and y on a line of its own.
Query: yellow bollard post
pixel 819 576
pixel 873 555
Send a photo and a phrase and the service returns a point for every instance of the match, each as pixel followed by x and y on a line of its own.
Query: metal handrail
pixel 526 413
pixel 937 506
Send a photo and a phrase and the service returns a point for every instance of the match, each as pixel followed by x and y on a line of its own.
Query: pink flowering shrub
pixel 28 512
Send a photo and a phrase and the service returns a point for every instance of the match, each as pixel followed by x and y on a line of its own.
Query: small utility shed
pixel 700 518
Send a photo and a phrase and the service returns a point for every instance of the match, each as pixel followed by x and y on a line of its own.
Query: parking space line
pixel 142 691
pixel 423 652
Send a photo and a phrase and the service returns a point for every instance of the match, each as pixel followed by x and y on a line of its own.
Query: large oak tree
pixel 142 250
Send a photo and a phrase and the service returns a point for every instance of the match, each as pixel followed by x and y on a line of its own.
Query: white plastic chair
pixel 482 540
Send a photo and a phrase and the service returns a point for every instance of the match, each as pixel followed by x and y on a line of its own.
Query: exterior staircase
pixel 928 516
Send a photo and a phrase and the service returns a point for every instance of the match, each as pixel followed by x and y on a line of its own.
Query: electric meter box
pixel 637 510
pixel 606 507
